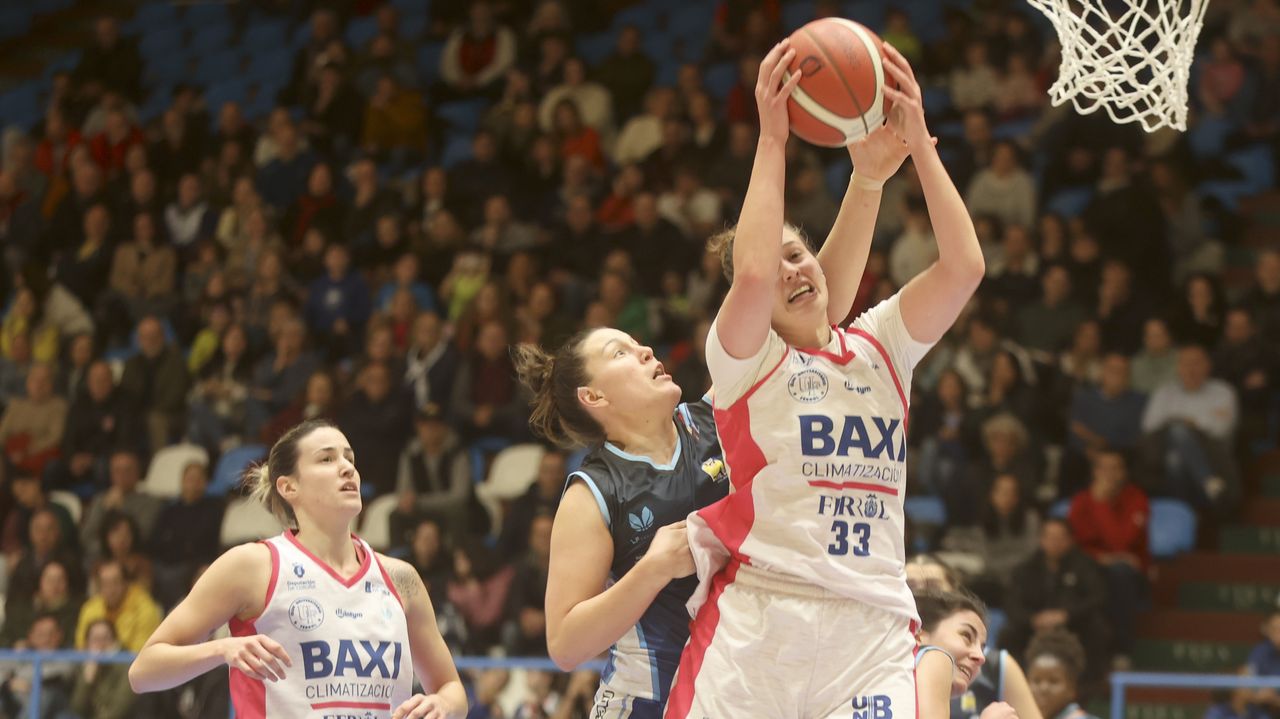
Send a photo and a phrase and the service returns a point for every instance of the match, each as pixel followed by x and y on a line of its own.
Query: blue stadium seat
pixel 160 44
pixel 429 61
pixel 65 62
pixel 457 147
pixel 937 98
pixel 45 7
pixel 796 14
pixel 360 31
pixel 1012 129
pixel 462 115
pixel 202 15
pixel 837 177
pixel 231 468
pixel 265 35
pixel 217 67
pixel 719 79
pixel 233 90
pixel 868 12
pixel 642 16
pixel 1228 193
pixel 209 39
pixel 691 20
pixel 151 17
pixel 926 510
pixel 594 48
pixel 1070 202
pixel 1257 166
pixel 1172 529
pixel 658 44
pixel 667 74
pixel 413 26
pixel 1060 509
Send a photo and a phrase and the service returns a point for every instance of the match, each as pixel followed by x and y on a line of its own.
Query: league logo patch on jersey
pixel 643 522
pixel 299 570
pixel 714 468
pixel 808 386
pixel 306 614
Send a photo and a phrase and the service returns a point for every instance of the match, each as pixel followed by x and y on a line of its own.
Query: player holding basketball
pixel 321 624
pixel 808 612
pixel 621 569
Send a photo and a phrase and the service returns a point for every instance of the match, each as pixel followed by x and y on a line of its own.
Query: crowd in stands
pixel 360 254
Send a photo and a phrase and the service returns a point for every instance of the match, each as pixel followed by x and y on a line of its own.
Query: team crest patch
pixel 306 614
pixel 808 386
pixel 714 468
pixel 299 570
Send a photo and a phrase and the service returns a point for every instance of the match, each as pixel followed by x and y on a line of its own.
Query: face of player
pixel 800 305
pixel 626 378
pixel 1051 685
pixel 963 636
pixel 326 485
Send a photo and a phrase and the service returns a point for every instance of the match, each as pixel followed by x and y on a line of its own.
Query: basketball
pixel 841 96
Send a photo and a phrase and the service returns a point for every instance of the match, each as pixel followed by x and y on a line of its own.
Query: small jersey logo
pixel 860 389
pixel 642 523
pixel 878 706
pixel 714 468
pixel 306 614
pixel 808 386
pixel 299 570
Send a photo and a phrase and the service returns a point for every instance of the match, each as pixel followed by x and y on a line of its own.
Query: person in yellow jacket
pixel 128 607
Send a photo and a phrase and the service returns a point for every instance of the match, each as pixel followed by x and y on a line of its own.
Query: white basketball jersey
pixel 348 640
pixel 815 442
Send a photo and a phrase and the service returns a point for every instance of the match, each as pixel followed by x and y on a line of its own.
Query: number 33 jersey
pixel 815 443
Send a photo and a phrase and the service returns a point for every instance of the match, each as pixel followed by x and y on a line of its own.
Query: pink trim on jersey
pixel 902 396
pixel 352 705
pixel 893 491
pixel 846 355
pixel 387 579
pixel 701 633
pixel 346 582
pixel 733 424
pixel 243 627
pixel 248 695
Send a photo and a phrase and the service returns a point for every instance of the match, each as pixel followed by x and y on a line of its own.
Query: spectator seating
pixel 164 476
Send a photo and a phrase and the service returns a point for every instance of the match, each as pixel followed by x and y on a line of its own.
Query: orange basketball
pixel 841 96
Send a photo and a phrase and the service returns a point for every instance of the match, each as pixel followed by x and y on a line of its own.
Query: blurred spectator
pixel 898 33
pixel 477 54
pixel 1190 424
pixel 282 375
pixel 1006 535
pixel 155 383
pixel 1221 79
pixel 528 635
pixel 974 84
pixel 542 498
pixel 185 536
pixel 695 210
pixel 574 137
pixel 84 268
pixel 1081 363
pixel 434 476
pixel 1264 658
pixel 654 243
pixel 53 598
pixel 318 400
pixel 478 178
pixel 72 372
pixel 319 49
pixel 338 302
pixel 1125 215
pixel 1156 363
pixel 189 218
pixel 1102 417
pixel 30 499
pixel 479 588
pixel 143 274
pixel 14 368
pixel 55 680
pixel 500 233
pixel 126 605
pixel 1250 365
pixel 1019 94
pixel 1110 522
pixel 121 496
pixel 430 557
pixel 1185 222
pixel 431 363
pixel 1014 278
pixel 395 120
pixel 915 249
pixel 1263 298
pixel 487 400
pixel 121 542
pixel 110 146
pixel 217 406
pixel 110 63
pixel 1059 587
pixel 98 423
pixel 317 208
pixel 1055 663
pixel 102 691
pixel 283 179
pixel 626 73
pixel 53 154
pixel 178 149
pixel 1200 316
pixel 1047 324
pixel 46 543
pixel 592 100
pixel 1003 189
pixel 376 420
pixel 333 109
pixel 31 428
pixel 1008 452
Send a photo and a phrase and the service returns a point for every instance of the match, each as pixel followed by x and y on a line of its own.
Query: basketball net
pixel 1131 57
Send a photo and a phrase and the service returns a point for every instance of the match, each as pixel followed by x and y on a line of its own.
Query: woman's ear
pixel 591 397
pixel 287 487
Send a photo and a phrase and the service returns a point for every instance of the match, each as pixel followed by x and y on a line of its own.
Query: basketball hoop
pixel 1131 57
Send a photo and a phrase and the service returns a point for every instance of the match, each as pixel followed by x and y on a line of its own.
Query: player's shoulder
pixel 246 557
pixel 404 579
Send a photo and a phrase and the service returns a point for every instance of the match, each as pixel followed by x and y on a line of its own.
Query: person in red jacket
pixel 1109 520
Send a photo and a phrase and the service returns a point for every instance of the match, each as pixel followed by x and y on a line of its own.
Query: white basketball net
pixel 1132 57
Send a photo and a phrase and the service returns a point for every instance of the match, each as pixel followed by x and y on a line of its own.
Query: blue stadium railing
pixel 1120 681
pixel 38 659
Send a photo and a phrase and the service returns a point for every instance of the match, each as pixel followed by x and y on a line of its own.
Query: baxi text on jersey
pixel 882 439
pixel 350 658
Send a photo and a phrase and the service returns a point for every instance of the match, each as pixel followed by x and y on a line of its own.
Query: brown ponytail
pixel 554 380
